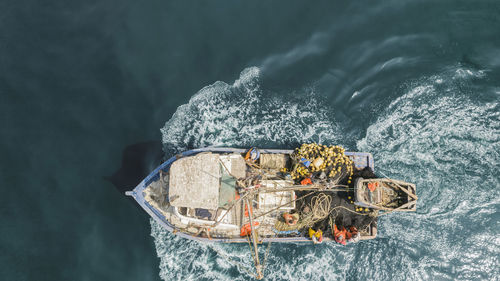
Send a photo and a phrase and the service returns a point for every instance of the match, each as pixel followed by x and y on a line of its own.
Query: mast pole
pixel 258 267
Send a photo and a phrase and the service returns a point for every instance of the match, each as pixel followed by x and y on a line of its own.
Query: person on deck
pixel 316 236
pixel 352 235
pixel 339 234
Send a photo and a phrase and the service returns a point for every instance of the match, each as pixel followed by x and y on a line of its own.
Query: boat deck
pixel 198 222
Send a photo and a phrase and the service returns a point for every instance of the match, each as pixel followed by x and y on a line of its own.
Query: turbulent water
pixel 87 87
pixel 435 134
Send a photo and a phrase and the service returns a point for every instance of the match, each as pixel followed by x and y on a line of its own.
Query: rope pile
pixel 319 209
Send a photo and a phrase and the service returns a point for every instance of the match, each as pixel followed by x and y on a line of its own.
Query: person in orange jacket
pixel 339 234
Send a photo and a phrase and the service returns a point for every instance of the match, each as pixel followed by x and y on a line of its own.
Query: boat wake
pixel 242 114
pixel 447 142
pixel 435 134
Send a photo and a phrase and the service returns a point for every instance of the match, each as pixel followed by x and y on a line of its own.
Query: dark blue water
pixel 89 89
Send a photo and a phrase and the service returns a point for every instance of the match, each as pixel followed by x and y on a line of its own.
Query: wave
pixel 435 134
pixel 447 142
pixel 242 114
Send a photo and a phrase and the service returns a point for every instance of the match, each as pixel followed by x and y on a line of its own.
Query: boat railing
pixel 208 223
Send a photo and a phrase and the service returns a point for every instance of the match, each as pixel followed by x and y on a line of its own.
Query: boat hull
pixel 361 160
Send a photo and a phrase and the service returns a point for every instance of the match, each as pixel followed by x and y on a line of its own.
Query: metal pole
pixel 254 239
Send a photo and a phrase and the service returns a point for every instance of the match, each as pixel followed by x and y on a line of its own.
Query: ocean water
pixel 91 92
pixel 434 134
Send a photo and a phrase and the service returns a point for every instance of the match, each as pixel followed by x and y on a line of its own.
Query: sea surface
pixel 94 94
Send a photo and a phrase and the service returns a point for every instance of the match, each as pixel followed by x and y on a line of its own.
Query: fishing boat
pixel 309 194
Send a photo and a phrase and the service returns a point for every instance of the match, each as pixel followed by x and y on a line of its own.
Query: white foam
pixel 241 115
pixel 432 135
pixel 448 144
pixel 181 258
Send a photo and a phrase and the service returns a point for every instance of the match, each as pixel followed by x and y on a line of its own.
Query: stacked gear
pixel 321 161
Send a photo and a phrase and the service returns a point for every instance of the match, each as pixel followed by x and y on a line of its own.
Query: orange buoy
pixel 306 181
pixel 247 229
pixel 372 186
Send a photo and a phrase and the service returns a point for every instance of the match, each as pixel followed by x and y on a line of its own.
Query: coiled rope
pixel 320 208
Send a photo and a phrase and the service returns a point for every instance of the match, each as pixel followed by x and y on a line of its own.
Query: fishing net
pixel 321 162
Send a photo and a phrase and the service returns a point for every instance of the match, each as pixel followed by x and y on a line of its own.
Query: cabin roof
pixel 195 181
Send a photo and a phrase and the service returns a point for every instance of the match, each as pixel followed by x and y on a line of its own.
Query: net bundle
pixel 312 160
